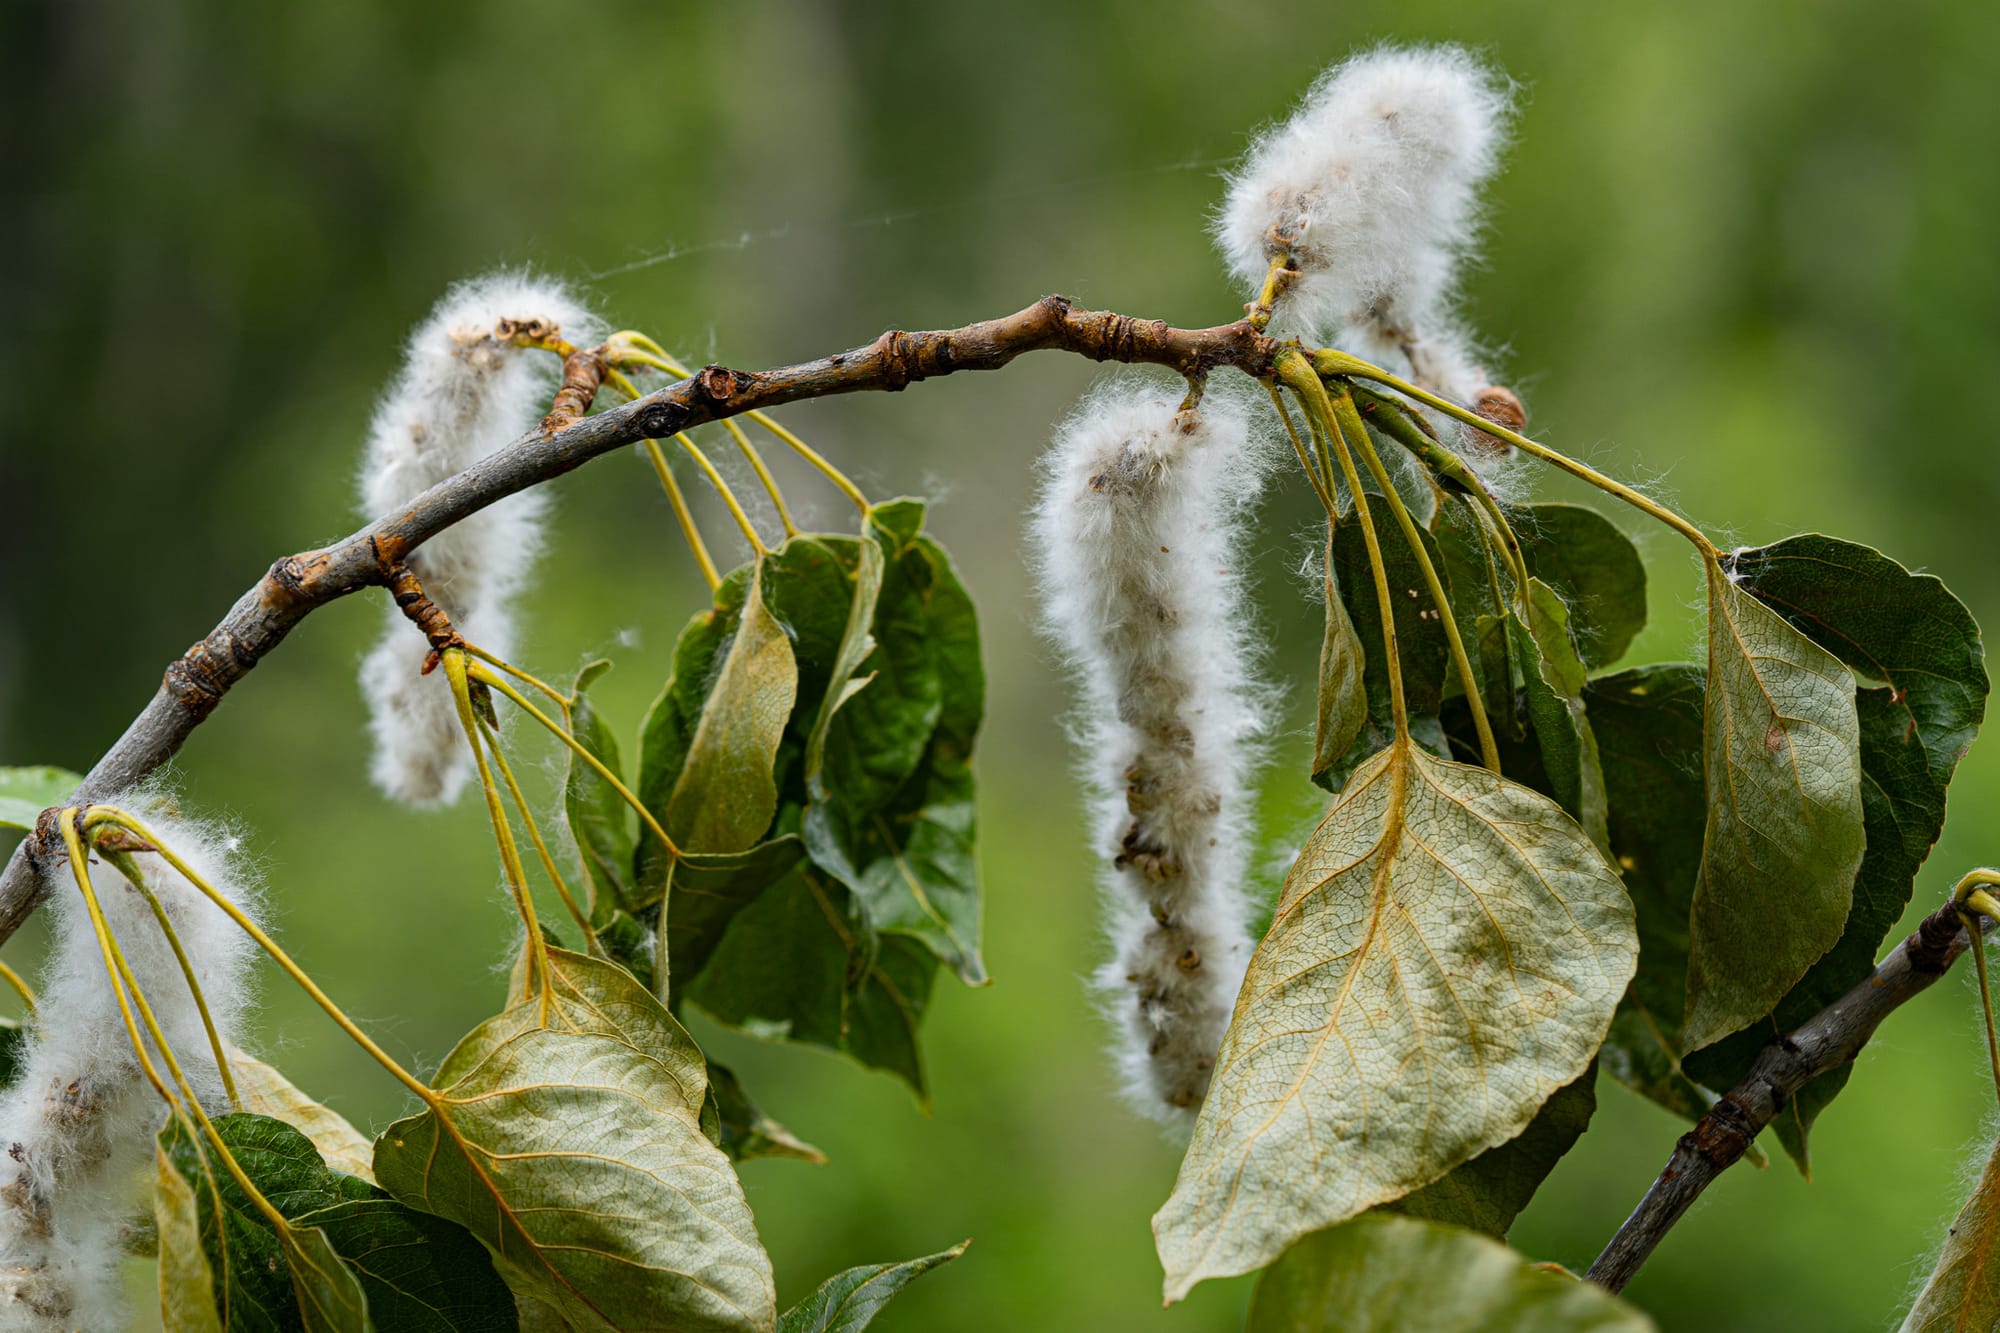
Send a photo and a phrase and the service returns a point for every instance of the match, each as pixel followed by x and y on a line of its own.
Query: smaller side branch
pixel 1826 1041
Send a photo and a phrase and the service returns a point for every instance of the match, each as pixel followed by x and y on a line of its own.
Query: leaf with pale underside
pixel 26 792
pixel 187 1283
pixel 1489 1192
pixel 1383 1274
pixel 1446 954
pixel 1343 701
pixel 267 1092
pixel 1782 752
pixel 1921 672
pixel 567 1136
pixel 1963 1291
pixel 848 1302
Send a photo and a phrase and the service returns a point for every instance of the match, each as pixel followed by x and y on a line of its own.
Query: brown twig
pixel 299 584
pixel 1825 1042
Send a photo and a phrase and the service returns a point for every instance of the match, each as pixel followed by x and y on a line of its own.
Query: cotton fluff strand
pixel 1373 188
pixel 1136 529
pixel 80 1118
pixel 465 390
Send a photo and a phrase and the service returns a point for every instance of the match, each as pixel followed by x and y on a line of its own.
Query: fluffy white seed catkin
pixel 79 1120
pixel 465 390
pixel 1136 527
pixel 1372 187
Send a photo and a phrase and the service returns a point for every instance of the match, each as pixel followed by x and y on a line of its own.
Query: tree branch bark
pixel 1826 1041
pixel 300 584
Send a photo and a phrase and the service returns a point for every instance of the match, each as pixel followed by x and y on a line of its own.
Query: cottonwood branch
pixel 1828 1040
pixel 300 584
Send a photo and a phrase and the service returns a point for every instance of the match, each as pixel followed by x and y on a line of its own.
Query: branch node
pixel 583 371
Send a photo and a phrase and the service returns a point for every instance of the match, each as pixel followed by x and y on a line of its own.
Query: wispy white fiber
pixel 79 1121
pixel 465 390
pixel 1136 529
pixel 1373 188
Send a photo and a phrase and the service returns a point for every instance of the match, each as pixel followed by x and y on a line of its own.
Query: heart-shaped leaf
pixel 1383 1274
pixel 566 1134
pixel 1446 954
pixel 1784 834
pixel 849 1301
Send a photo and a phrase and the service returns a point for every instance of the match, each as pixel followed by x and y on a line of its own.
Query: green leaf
pixel 745 1130
pixel 1489 1192
pixel 1470 564
pixel 1595 568
pixel 1446 954
pixel 267 1092
pixel 850 1301
pixel 1343 700
pixel 569 1141
pixel 422 1274
pixel 267 1274
pixel 600 821
pixel 708 892
pixel 1782 749
pixel 892 811
pixel 187 1283
pixel 26 792
pixel 1963 1291
pixel 1553 681
pixel 1420 643
pixel 802 963
pixel 1917 653
pixel 1382 1274
pixel 727 790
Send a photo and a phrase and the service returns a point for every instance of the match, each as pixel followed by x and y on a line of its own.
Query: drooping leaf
pixel 1343 700
pixel 1553 678
pixel 1479 593
pixel 266 1274
pixel 1384 1274
pixel 849 1301
pixel 26 792
pixel 187 1283
pixel 892 811
pixel 1921 666
pixel 745 1131
pixel 1446 954
pixel 567 1136
pixel 1784 833
pixel 708 892
pixel 1489 1192
pixel 422 1274
pixel 1595 569
pixel 600 821
pixel 1963 1291
pixel 727 790
pixel 267 1092
pixel 1420 642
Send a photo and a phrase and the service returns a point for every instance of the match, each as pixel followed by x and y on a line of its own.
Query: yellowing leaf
pixel 187 1283
pixel 1963 1292
pixel 570 1141
pixel 1782 750
pixel 1447 953
pixel 727 790
pixel 1382 1274
pixel 267 1092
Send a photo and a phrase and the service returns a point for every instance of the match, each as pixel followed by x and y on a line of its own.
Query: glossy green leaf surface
pixel 1384 1274
pixel 1782 752
pixel 1446 954
pixel 567 1137
pixel 849 1301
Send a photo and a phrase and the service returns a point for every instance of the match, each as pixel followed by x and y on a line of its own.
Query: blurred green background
pixel 1743 253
